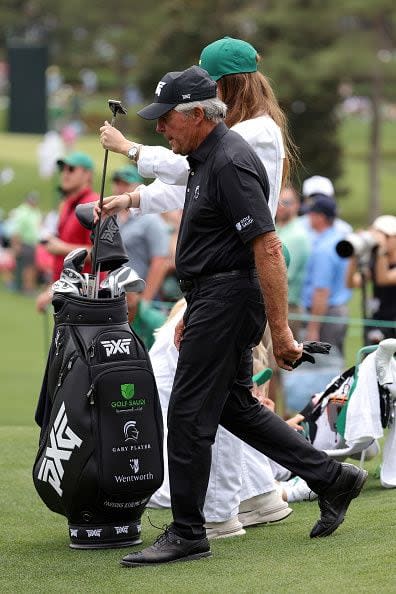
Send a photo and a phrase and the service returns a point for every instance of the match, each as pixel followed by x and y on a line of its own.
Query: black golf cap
pixel 193 84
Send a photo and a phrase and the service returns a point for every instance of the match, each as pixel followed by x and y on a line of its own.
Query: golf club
pixel 115 107
pixel 110 282
pixel 64 286
pixel 132 284
pixel 74 277
pixel 75 259
pixel 121 275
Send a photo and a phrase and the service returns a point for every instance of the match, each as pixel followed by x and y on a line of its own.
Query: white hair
pixel 215 110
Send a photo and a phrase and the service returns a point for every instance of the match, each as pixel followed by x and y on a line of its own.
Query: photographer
pixel 374 258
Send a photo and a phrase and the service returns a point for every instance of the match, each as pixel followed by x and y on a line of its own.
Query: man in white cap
pixel 312 188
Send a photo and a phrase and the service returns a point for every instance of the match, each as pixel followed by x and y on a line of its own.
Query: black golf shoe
pixel 169 548
pixel 335 500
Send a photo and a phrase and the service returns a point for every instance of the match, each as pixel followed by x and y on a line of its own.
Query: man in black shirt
pixel 228 258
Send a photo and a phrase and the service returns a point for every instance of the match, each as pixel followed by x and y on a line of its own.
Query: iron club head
pixel 64 286
pixel 131 284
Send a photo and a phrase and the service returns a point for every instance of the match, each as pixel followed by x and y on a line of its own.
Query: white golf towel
pixel 363 419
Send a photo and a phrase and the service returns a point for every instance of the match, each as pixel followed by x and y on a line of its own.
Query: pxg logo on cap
pixel 193 84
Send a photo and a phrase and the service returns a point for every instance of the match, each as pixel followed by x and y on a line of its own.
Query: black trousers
pixel 224 319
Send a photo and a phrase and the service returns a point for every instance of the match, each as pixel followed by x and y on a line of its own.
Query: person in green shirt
pixel 296 239
pixel 25 232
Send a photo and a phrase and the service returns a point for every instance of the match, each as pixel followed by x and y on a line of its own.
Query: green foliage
pixel 308 47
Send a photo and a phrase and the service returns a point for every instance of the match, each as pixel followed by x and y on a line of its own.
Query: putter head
pixel 75 259
pixel 116 107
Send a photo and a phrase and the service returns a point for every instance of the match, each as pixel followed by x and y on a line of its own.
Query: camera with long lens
pixel 359 244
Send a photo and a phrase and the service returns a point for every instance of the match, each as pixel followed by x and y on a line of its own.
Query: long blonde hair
pixel 249 95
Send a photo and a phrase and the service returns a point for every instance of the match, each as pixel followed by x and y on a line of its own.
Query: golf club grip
pixel 97 228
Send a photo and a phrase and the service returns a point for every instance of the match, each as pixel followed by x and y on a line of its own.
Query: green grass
pixel 34 550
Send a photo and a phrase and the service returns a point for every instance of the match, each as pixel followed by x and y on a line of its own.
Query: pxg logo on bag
pixel 116 347
pixel 62 443
pixel 127 402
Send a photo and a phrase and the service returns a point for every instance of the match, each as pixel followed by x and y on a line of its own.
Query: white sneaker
pixel 263 509
pixel 226 529
pixel 296 489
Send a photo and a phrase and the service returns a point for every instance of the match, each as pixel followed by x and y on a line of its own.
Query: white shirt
pixel 171 171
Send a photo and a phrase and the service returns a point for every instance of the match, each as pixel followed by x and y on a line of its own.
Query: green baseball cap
pixel 77 159
pixel 128 174
pixel 228 56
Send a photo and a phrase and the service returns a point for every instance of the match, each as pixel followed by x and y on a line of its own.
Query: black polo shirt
pixel 226 206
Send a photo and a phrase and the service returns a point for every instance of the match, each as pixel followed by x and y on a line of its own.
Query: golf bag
pixel 100 453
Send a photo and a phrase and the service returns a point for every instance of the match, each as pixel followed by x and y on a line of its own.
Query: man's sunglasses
pixel 65 167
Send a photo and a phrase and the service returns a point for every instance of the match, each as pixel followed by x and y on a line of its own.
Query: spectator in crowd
pixel 25 230
pixel 382 272
pixel 315 186
pixel 324 291
pixel 295 237
pixel 147 243
pixel 76 185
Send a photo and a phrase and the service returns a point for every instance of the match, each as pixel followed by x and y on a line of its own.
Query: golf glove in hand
pixel 312 346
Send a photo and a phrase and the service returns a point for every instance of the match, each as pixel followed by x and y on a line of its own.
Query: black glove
pixel 311 346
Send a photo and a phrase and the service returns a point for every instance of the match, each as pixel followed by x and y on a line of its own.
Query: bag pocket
pixel 113 345
pixel 66 444
pixel 128 426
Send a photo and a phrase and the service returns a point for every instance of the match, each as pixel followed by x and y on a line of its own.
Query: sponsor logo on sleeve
pixel 243 223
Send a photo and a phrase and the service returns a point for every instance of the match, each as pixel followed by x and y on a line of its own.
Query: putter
pixel 75 259
pixel 91 281
pixel 64 286
pixel 115 107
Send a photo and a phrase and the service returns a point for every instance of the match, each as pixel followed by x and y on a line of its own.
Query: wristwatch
pixel 133 153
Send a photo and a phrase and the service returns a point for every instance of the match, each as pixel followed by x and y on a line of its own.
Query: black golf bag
pixel 100 455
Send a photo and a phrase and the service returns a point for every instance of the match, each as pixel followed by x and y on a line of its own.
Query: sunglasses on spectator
pixel 286 202
pixel 70 168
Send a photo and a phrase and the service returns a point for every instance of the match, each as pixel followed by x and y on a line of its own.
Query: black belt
pixel 194 283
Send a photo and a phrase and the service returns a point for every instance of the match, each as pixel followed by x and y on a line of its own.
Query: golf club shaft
pixel 97 228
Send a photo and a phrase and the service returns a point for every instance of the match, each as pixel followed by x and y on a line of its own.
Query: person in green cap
pixel 76 177
pixel 252 111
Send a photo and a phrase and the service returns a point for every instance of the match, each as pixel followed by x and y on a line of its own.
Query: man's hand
pixel 286 349
pixel 43 300
pixel 56 246
pixel 113 140
pixel 179 329
pixel 112 205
